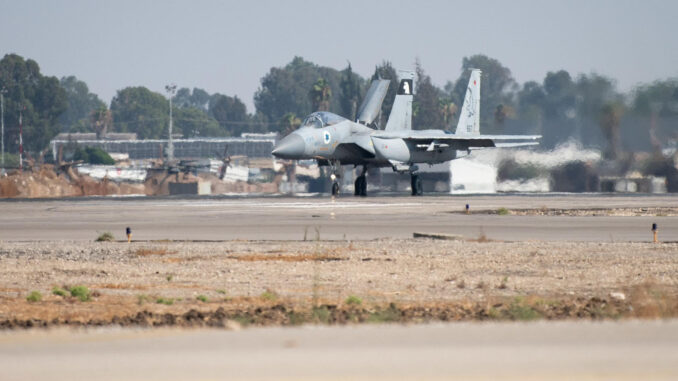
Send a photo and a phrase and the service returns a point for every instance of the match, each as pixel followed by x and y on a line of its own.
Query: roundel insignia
pixel 327 137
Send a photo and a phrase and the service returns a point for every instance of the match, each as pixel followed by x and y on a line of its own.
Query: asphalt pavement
pixel 628 350
pixel 293 218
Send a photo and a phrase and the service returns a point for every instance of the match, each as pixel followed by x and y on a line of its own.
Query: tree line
pixel 586 107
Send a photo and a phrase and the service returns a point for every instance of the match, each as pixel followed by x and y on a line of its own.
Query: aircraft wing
pixel 470 141
pixel 359 146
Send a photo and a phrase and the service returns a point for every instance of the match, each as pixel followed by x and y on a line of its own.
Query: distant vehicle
pixel 336 141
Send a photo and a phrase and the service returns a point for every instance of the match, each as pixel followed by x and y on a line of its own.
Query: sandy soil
pixel 276 282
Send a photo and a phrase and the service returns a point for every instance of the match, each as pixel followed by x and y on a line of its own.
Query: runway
pixel 293 218
pixel 628 350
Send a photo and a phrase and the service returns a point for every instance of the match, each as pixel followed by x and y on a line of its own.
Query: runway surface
pixel 509 351
pixel 345 218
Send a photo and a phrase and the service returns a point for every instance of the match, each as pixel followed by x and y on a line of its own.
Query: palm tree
pixel 320 95
pixel 101 119
pixel 289 123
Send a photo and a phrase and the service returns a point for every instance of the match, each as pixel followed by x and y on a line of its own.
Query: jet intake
pixel 392 149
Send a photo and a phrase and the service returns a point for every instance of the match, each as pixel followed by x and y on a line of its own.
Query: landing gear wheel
pixel 335 189
pixel 416 186
pixel 361 186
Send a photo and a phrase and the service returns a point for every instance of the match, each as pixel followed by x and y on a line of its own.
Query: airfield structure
pixel 253 146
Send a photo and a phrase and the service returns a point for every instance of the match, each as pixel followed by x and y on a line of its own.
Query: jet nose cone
pixel 290 147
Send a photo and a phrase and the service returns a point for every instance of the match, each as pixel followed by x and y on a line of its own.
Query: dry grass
pixel 148 251
pixel 653 301
pixel 119 286
pixel 287 258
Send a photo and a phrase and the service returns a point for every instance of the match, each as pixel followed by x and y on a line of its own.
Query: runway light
pixel 128 231
pixel 467 208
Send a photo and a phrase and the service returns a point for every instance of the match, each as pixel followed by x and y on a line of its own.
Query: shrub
pixel 167 302
pixel 81 292
pixel 353 300
pixel 519 311
pixel 34 296
pixel 141 299
pixel 202 298
pixel 321 314
pixel 59 291
pixel 388 315
pixel 269 295
pixel 93 155
pixel 502 211
pixel 105 237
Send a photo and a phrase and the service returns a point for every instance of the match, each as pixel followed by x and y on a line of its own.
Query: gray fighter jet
pixel 335 141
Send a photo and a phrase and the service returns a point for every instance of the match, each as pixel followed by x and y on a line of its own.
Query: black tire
pixel 335 189
pixel 416 186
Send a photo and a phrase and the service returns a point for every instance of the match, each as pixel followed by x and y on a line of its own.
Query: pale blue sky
pixel 227 46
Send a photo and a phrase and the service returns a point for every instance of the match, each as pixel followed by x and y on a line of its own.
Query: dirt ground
pixel 281 283
pixel 46 183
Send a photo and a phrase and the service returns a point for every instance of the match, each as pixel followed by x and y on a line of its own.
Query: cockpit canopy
pixel 322 119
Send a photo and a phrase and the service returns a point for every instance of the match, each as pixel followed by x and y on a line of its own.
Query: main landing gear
pixel 361 183
pixel 417 189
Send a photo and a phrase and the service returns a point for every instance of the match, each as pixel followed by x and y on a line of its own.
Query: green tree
pixel 194 122
pixel 531 100
pixel 653 114
pixel 496 88
pixel 288 123
pixel 560 111
pixel 230 113
pixel 351 93
pixel 198 98
pixel 286 89
pixel 386 71
pixel 41 99
pixel 320 95
pixel 80 104
pixel 428 103
pixel 137 109
pixel 610 118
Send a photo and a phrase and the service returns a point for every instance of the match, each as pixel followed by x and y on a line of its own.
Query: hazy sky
pixel 227 46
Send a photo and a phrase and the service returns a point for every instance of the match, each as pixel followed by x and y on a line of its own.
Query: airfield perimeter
pixel 233 263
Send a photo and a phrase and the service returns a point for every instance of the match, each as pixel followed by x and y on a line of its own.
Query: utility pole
pixel 21 139
pixel 2 124
pixel 171 89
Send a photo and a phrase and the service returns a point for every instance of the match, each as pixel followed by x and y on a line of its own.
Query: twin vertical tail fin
pixel 469 115
pixel 369 109
pixel 401 113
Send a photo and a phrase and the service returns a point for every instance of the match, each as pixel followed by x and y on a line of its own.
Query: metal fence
pixel 183 148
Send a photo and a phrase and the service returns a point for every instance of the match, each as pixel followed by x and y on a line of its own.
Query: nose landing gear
pixel 336 174
pixel 335 188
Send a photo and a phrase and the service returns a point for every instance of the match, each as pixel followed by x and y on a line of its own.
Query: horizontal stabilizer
pixel 520 144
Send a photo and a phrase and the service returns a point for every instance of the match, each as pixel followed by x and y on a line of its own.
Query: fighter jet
pixel 335 141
